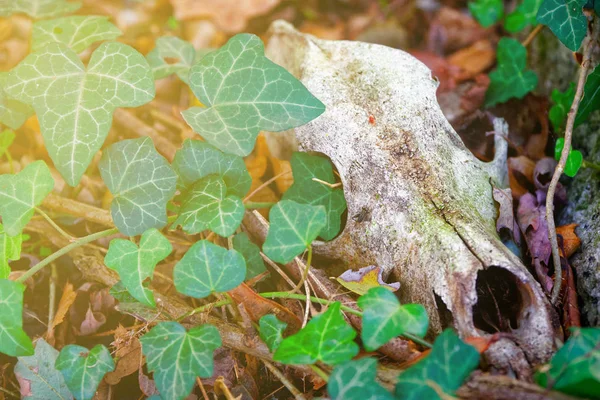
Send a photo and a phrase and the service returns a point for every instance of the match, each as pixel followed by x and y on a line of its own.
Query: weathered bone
pixel 419 204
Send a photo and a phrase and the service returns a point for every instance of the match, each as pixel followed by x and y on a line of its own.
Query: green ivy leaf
pixel 141 181
pixel 293 228
pixel 76 32
pixel 206 268
pixel 511 78
pixel 21 193
pixel 197 159
pixel 251 252
pixel 355 380
pixel 574 368
pixel 38 375
pixel 559 110
pixel 13 339
pixel 177 357
pixel 305 190
pixel 566 20
pixel 206 206
pixel 384 318
pixel 327 338
pixel 74 105
pixel 12 113
pixel 10 249
pixel 487 12
pixel 591 97
pixel 447 366
pixel 136 264
pixel 84 369
pixel 181 55
pixel 38 8
pixel 523 16
pixel 271 330
pixel 7 137
pixel 574 160
pixel 235 110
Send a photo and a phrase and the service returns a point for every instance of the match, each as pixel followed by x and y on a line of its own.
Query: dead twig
pixel 589 45
pixel 286 382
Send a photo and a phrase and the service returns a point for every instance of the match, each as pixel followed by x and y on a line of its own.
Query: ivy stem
pixel 283 379
pixel 305 273
pixel 296 296
pixel 11 164
pixel 204 308
pixel 589 164
pixel 320 372
pixel 265 184
pixel 69 237
pixel 54 256
pixel 255 204
pixel 583 73
pixel 532 35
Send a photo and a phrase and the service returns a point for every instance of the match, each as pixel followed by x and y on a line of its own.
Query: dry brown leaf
pixel 129 359
pixel 66 301
pixel 520 175
pixel 257 306
pixel 474 59
pixel 334 32
pixel 92 322
pixel 257 162
pixel 571 241
pixel 229 15
pixel 283 168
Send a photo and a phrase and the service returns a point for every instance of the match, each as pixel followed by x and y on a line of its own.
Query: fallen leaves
pixel 364 279
pixel 230 15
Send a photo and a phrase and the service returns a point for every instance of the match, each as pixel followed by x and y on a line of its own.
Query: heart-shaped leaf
pixel 13 113
pixel 574 367
pixel 10 249
pixel 21 193
pixel 523 16
pixel 251 252
pixel 77 32
pixel 574 160
pixel 136 264
pixel 559 110
pixel 511 78
pixel 197 159
pixel 384 318
pixel 13 339
pixel 206 268
pixel 445 368
pixel 206 206
pixel 487 12
pixel 74 105
pixel 38 376
pixel 591 96
pixel 305 190
pixel 38 8
pixel 177 357
pixel 7 137
pixel 237 110
pixel 327 338
pixel 293 228
pixel 271 330
pixel 355 380
pixel 141 181
pixel 566 20
pixel 181 55
pixel 84 369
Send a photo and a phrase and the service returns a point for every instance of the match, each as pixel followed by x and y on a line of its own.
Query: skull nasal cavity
pixel 499 301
